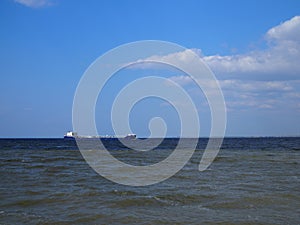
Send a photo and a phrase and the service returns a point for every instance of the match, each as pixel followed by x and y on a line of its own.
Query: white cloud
pixel 241 85
pixel 181 80
pixel 249 94
pixel 186 57
pixel 263 79
pixel 279 61
pixel 259 94
pixel 35 3
pixel 257 86
pixel 275 95
pixel 289 31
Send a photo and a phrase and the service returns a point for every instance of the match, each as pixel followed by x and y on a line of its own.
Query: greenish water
pixel 252 181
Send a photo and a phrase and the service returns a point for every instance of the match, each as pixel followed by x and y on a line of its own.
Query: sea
pixel 251 181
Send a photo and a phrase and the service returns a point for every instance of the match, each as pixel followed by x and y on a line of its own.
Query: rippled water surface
pixel 252 181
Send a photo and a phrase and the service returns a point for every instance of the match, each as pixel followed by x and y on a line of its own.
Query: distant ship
pixel 130 136
pixel 73 135
pixel 70 135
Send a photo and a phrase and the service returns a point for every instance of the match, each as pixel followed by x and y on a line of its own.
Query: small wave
pixel 144 201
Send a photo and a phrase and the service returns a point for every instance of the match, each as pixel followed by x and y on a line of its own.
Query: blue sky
pixel 253 47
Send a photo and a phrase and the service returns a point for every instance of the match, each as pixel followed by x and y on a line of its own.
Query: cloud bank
pixel 267 79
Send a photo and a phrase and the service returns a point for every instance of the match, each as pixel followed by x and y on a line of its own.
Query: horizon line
pixel 233 136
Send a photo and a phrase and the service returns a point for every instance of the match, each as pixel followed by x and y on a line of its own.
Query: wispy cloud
pixel 257 86
pixel 249 93
pixel 243 85
pixel 35 3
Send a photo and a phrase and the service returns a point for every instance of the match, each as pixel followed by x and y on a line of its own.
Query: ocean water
pixel 252 181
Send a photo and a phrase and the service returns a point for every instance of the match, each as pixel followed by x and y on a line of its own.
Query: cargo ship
pixel 70 135
pixel 73 135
